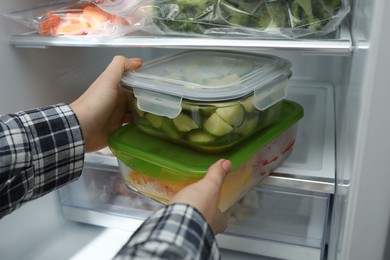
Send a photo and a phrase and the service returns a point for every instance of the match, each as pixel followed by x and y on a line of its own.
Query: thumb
pixel 217 172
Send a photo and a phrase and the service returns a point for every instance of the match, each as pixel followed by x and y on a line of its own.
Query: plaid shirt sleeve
pixel 177 231
pixel 40 150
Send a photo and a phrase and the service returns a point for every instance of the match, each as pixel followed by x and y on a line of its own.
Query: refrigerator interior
pixel 36 73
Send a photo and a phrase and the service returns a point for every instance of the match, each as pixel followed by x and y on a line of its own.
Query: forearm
pixel 177 231
pixel 41 150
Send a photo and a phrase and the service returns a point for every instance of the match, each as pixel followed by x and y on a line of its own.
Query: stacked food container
pixel 192 108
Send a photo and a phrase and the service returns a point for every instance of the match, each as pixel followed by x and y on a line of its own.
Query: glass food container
pixel 207 100
pixel 159 168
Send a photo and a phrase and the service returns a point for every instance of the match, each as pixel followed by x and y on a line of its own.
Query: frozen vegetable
pixel 83 19
pixel 80 18
pixel 179 15
pixel 272 15
pixel 310 14
pixel 292 17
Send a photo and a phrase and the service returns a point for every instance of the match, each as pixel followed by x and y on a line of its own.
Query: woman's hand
pixel 204 195
pixel 103 107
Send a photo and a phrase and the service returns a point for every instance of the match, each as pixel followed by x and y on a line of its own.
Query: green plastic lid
pixel 165 160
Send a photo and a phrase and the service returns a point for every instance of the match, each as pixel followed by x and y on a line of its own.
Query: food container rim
pixel 260 76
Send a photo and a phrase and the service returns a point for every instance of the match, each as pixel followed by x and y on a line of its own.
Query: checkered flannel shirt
pixel 174 232
pixel 40 150
pixel 43 149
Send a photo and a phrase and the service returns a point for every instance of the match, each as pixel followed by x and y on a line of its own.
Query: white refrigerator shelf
pixel 336 43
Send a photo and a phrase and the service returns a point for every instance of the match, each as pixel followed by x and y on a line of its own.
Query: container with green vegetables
pixel 207 100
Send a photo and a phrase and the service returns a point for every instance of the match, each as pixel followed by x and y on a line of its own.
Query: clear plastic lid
pixel 208 76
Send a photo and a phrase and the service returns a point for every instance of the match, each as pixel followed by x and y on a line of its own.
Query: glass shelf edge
pixel 342 46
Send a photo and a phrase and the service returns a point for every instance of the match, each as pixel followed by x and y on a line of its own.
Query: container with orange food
pixel 159 168
pixel 82 18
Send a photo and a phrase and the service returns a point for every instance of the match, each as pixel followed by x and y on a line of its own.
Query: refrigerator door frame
pixel 361 212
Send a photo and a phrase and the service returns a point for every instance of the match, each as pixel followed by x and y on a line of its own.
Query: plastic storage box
pixel 207 100
pixel 158 168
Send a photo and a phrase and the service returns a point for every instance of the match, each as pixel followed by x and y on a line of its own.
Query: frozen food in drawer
pixel 158 168
pixel 208 100
pixel 282 223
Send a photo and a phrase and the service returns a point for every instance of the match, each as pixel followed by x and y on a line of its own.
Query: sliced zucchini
pixel 198 112
pixel 142 121
pixel 155 120
pixel 200 137
pixel 233 115
pixel 271 114
pixel 248 126
pixel 215 125
pixel 139 112
pixel 150 130
pixel 169 129
pixel 184 123
pixel 248 105
pixel 206 111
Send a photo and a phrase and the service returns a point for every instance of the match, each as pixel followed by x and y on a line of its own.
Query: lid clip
pixel 158 103
pixel 271 93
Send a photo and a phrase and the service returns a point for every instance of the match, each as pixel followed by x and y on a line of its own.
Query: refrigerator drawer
pixel 101 198
pixel 278 222
pixel 269 221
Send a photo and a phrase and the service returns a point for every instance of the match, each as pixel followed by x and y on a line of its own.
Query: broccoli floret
pixel 235 15
pixel 272 15
pixel 182 15
pixel 242 19
pixel 199 3
pixel 325 10
pixel 305 18
pixel 334 4
pixel 248 6
pixel 311 14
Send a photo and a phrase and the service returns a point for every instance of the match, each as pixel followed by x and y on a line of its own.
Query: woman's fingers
pixel 112 75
